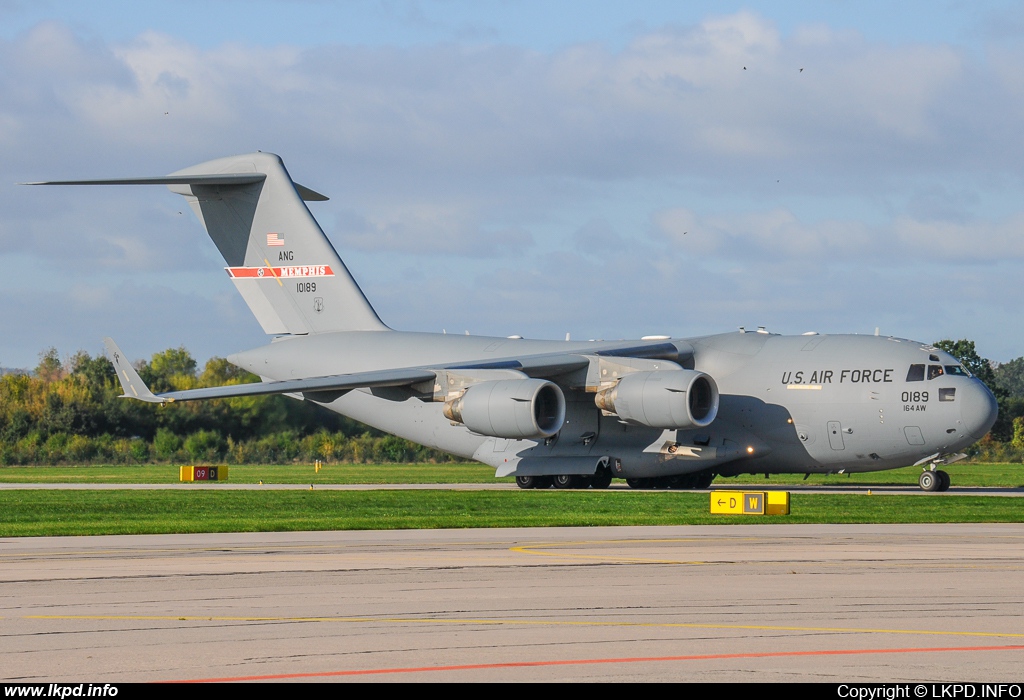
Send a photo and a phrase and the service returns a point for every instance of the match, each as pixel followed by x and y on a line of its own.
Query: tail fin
pixel 278 257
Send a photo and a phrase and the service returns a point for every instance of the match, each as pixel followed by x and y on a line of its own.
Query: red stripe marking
pixel 287 271
pixel 581 662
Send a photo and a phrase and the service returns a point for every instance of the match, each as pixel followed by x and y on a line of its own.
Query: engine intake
pixel 510 408
pixel 667 399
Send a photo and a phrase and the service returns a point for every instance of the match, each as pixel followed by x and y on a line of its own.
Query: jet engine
pixel 510 408
pixel 667 399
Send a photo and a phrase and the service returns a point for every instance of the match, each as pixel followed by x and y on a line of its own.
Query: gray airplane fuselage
pixel 797 404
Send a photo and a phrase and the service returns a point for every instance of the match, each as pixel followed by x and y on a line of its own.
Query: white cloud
pixel 780 235
pixel 955 241
pixel 428 230
pixel 673 101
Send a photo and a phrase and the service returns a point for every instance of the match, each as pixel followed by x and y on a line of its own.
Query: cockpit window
pixel 934 371
pixel 916 373
pixel 957 371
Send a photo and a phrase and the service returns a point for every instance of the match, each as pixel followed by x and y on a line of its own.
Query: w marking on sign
pixel 753 504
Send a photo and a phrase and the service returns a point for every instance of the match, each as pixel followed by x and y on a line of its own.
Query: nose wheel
pixel 933 480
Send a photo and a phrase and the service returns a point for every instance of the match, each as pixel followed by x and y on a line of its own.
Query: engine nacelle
pixel 510 408
pixel 667 399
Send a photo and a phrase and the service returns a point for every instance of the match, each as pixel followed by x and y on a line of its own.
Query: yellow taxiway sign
pixel 750 502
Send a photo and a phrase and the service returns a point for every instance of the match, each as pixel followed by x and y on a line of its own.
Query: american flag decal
pixel 274 240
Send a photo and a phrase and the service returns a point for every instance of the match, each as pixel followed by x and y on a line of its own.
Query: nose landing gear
pixel 933 480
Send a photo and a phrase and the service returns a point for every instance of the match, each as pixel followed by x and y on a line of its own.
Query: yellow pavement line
pixel 529 548
pixel 498 621
pixel 524 549
pixel 537 549
pixel 235 549
pixel 604 557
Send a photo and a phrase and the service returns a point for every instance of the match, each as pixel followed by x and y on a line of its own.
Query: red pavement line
pixel 580 662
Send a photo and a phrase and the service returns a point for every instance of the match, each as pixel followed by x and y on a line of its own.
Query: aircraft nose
pixel 978 409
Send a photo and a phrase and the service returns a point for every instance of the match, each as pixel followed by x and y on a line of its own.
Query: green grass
pixel 1001 475
pixel 473 473
pixel 961 474
pixel 54 512
pixel 89 512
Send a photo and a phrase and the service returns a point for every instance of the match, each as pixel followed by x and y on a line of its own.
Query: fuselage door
pixel 914 435
pixel 835 435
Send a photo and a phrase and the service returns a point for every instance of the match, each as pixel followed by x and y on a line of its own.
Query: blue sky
pixel 543 26
pixel 604 169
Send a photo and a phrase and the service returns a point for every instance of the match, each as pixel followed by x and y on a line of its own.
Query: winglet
pixel 131 382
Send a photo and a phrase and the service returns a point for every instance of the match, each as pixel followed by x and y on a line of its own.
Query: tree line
pixel 69 412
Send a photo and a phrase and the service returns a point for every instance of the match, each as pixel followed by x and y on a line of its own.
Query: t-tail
pixel 276 254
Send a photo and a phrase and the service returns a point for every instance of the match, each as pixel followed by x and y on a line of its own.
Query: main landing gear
pixel 600 480
pixel 533 482
pixel 933 480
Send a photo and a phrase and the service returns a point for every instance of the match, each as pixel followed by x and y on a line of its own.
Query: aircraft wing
pixel 550 364
pixel 135 388
pixel 541 365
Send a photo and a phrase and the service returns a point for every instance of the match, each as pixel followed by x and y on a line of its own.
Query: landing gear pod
pixel 667 399
pixel 511 408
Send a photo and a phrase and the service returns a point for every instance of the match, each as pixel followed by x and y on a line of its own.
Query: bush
pixel 209 446
pixel 204 446
pixel 79 449
pixel 138 450
pixel 166 444
pixel 392 449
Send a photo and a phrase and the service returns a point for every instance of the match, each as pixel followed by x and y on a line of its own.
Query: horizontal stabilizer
pixel 305 193
pixel 218 179
pixel 309 195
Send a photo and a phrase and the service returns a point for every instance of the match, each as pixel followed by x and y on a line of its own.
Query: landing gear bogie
pixel 566 481
pixel 533 482
pixel 602 479
pixel 526 482
pixel 703 480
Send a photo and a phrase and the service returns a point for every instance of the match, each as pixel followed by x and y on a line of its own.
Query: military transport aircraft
pixel 658 412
